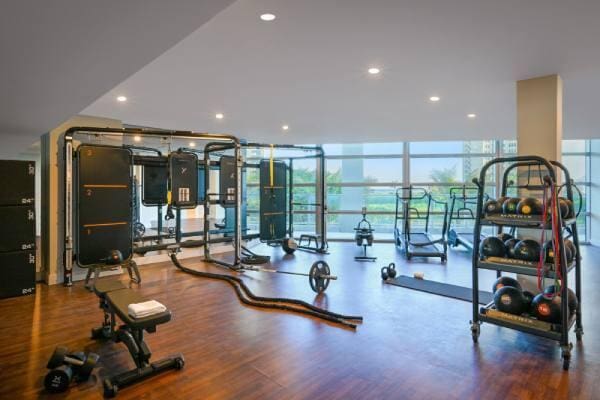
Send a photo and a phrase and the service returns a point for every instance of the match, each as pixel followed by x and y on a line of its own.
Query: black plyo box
pixel 17 273
pixel 17 180
pixel 18 228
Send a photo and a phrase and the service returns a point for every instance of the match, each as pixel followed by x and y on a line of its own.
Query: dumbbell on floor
pixel 65 366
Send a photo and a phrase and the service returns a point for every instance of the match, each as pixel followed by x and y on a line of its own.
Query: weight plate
pixel 57 357
pixel 315 278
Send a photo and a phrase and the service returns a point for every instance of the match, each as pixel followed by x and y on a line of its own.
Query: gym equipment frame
pixel 463 203
pixel 69 148
pixel 418 244
pixel 558 270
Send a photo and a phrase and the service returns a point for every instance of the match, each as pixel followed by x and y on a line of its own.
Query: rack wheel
pixel 110 390
pixel 566 356
pixel 179 363
pixel 475 331
pixel 444 258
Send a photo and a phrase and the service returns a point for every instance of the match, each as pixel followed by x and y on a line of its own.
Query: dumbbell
pixel 64 367
pixel 388 272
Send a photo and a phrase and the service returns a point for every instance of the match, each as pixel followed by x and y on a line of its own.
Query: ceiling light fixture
pixel 434 99
pixel 472 116
pixel 192 144
pixel 121 99
pixel 219 116
pixel 374 70
pixel 268 17
pixel 137 138
pixel 285 127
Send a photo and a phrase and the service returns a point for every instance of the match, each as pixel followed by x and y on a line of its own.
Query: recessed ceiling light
pixel 374 70
pixel 137 138
pixel 472 116
pixel 219 116
pixel 285 127
pixel 434 99
pixel 121 98
pixel 267 17
pixel 192 144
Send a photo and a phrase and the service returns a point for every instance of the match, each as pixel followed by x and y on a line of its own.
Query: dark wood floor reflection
pixel 412 345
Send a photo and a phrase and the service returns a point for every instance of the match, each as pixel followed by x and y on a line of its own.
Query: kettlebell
pixel 388 272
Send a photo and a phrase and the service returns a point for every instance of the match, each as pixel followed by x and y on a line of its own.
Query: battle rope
pixel 272 302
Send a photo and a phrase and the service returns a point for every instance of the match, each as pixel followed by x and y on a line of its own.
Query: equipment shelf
pixel 548 171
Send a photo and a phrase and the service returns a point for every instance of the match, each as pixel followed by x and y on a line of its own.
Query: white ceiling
pixel 308 69
pixel 58 56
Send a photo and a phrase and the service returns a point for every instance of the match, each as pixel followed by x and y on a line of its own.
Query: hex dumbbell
pixel 65 366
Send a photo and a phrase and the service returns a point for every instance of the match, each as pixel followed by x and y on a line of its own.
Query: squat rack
pixel 68 139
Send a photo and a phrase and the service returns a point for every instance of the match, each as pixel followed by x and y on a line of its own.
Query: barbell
pixel 319 275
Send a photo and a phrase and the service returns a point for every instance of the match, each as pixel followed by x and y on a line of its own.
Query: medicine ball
pixel 510 205
pixel 505 281
pixel 504 236
pixel 530 206
pixel 571 213
pixel 492 246
pixel 571 246
pixel 571 297
pixel 492 207
pixel 549 252
pixel 546 308
pixel 115 257
pixel 510 300
pixel 527 250
pixel 528 296
pixel 510 247
pixel 563 206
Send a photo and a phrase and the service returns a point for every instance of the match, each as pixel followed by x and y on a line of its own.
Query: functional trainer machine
pixel 363 235
pixel 415 204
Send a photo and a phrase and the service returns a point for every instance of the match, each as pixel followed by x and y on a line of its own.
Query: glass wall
pixel 367 175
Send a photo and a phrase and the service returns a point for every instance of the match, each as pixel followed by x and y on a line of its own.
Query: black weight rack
pixel 421 243
pixel 547 177
pixel 463 204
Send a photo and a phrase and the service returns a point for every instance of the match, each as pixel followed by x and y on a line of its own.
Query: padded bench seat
pixel 119 301
pixel 102 287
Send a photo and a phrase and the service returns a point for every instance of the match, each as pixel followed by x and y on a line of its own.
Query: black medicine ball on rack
pixel 510 247
pixel 509 299
pixel 505 281
pixel 492 246
pixel 546 308
pixel 492 207
pixel 549 252
pixel 569 244
pixel 527 250
pixel 528 296
pixel 510 205
pixel 571 297
pixel 530 206
pixel 565 206
pixel 504 236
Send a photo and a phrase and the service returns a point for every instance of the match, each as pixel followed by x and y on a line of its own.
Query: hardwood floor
pixel 412 345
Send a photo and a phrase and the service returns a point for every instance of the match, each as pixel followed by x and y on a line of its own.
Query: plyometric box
pixel 104 203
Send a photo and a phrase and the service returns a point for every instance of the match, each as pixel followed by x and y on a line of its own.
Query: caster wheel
pixel 475 332
pixel 444 259
pixel 110 390
pixel 179 363
pixel 579 335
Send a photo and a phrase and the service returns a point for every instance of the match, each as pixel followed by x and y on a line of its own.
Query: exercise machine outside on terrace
pixel 415 204
pixel 363 235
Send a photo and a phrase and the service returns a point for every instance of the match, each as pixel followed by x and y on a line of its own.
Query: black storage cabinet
pixel 17 216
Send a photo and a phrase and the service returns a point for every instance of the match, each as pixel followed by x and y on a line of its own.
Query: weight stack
pixel 17 228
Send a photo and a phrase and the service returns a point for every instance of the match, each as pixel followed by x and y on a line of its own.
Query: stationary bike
pixel 364 236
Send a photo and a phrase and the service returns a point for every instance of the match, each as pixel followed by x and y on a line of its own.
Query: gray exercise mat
pixel 441 289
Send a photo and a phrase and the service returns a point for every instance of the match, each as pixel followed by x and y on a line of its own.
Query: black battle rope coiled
pixel 267 302
pixel 249 257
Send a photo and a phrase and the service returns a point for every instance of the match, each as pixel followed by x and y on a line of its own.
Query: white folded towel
pixel 145 309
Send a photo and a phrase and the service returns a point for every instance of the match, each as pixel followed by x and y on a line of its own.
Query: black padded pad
pixel 119 300
pixel 102 287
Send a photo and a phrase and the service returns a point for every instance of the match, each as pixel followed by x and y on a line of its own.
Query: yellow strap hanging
pixel 272 168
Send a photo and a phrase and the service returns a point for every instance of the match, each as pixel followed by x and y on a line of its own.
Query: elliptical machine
pixel 364 236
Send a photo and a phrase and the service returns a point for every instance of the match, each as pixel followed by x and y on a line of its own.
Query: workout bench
pixel 115 298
